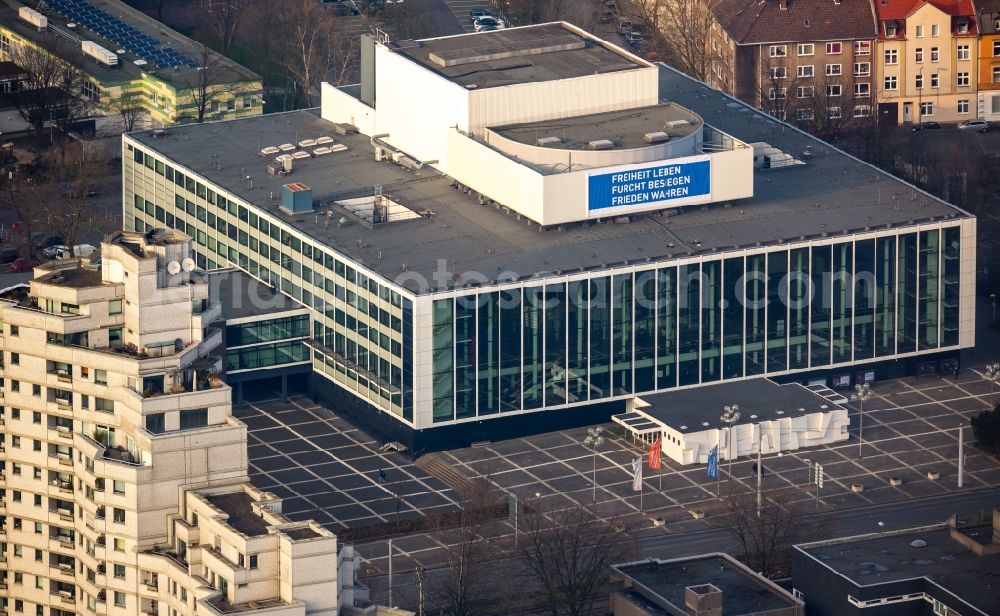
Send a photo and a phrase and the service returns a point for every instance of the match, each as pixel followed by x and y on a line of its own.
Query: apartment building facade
pixel 120 460
pixel 988 20
pixel 927 54
pixel 805 61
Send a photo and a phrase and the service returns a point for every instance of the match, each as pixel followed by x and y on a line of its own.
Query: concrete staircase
pixel 437 466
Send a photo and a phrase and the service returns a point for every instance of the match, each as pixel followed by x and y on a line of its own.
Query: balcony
pixel 62 458
pixel 60 405
pixel 63 432
pixel 62 376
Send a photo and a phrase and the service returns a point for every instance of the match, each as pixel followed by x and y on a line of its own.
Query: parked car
pixel 23 265
pixel 9 255
pixel 978 125
pixel 475 14
pixel 80 250
pixel 625 26
pixel 918 128
pixel 633 38
pixel 483 22
pixel 51 252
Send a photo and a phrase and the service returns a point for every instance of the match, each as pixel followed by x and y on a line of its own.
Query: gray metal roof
pixel 833 194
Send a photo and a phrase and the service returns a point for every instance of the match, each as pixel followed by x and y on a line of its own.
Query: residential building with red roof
pixel 988 22
pixel 927 60
pixel 806 61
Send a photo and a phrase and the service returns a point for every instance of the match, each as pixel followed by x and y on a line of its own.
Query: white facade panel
pixel 416 107
pixel 967 285
pixel 340 107
pixel 536 101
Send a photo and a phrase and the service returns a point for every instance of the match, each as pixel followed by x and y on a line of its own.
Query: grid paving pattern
pixel 328 470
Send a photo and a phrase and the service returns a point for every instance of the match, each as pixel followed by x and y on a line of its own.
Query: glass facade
pixel 358 322
pixel 268 330
pixel 785 310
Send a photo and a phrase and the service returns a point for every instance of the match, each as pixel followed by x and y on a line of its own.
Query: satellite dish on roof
pixel 188 264
pixel 173 267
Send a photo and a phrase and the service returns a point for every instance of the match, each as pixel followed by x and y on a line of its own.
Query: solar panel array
pixel 120 33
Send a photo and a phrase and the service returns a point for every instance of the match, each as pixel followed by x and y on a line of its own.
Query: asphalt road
pixel 440 20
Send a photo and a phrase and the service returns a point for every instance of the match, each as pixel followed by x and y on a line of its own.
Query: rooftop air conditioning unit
pixel 676 123
pixel 656 137
pixel 99 53
pixel 600 144
pixel 33 17
pixel 547 141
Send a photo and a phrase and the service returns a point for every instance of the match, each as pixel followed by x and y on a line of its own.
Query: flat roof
pixel 878 559
pixel 239 506
pixel 224 70
pixel 832 194
pixel 743 592
pixel 688 410
pixel 626 127
pixel 244 296
pixel 543 52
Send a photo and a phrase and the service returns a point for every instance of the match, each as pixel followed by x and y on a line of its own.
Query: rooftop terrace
pixel 832 194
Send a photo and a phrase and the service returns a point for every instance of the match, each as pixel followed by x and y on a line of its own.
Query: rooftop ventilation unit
pixel 341 128
pixel 33 17
pixel 676 123
pixel 600 144
pixel 99 53
pixel 547 141
pixel 296 198
pixel 656 137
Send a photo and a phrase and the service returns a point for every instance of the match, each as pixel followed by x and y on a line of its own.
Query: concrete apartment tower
pixel 123 472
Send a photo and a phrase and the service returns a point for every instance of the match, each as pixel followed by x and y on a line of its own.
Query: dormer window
pixel 963 26
pixel 890 28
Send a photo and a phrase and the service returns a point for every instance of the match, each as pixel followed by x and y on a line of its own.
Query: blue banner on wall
pixel 646 186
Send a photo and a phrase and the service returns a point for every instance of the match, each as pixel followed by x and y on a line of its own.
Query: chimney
pixel 783 5
pixel 704 599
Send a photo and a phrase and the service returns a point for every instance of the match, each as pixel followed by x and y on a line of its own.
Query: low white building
pixel 771 418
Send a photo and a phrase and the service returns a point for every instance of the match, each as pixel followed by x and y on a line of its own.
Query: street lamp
pixel 993 375
pixel 730 415
pixel 594 440
pixel 862 392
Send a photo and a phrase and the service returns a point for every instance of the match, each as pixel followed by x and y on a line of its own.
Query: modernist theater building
pixel 511 231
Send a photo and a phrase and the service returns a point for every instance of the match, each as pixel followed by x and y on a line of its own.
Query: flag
pixel 637 474
pixel 654 454
pixel 713 463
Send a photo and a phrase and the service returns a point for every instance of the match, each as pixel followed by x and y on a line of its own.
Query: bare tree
pixel 526 12
pixel 53 199
pixel 225 18
pixel 766 539
pixel 567 554
pixel 682 30
pixel 54 92
pixel 778 88
pixel 129 106
pixel 205 88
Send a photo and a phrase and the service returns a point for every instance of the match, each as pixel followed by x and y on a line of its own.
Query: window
pixel 253 561
pixel 919 31
pixel 963 79
pixel 778 51
pixel 996 48
pixel 862 48
pixel 119 544
pixel 194 418
pixel 805 114
pixel 156 423
pixel 940 609
pixel 115 336
pixel 963 52
pixel 918 54
pixel 833 48
pixel 36 390
pixel 778 72
pixel 890 28
pixel 963 106
pixel 890 83
pixel 776 94
pixel 91 91
pixel 805 91
pixel 119 597
pixel 935 54
pixel 15 441
pixel 926 109
pixel 115 306
pixel 36 445
pixel 119 516
pixel 935 82
pixel 833 70
pixel 15 359
pixel 38 528
pixel 862 69
pixel 805 49
pixel 231 105
pixel 996 75
pixel 963 26
pixel 36 417
pixel 805 71
pixel 919 81
pixel 118 486
pixel 833 90
pixel 119 571
pixel 891 56
pixel 104 405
